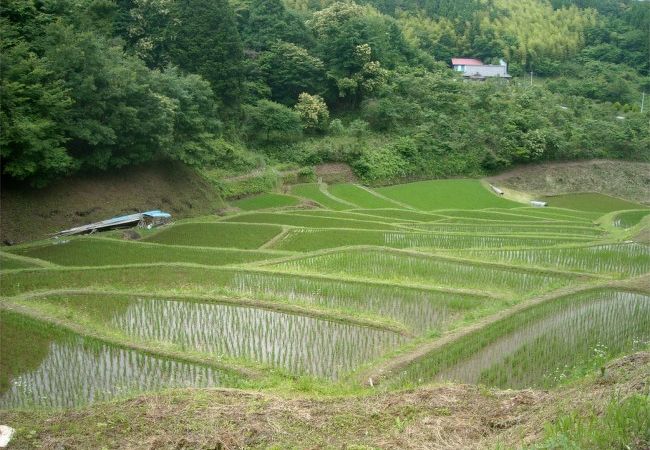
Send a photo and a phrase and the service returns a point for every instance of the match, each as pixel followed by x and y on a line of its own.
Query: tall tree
pixel 206 42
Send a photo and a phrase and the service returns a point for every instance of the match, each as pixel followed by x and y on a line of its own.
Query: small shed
pixel 154 218
pixel 147 219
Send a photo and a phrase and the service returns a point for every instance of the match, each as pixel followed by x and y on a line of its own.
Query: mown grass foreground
pixel 377 290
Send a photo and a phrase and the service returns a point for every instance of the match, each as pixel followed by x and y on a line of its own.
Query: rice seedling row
pixel 265 201
pixel 509 215
pixel 591 201
pixel 46 367
pixel 296 343
pixel 446 194
pixel 520 229
pixel 421 310
pixel 303 220
pixel 400 214
pixel 89 251
pixel 7 262
pixel 225 235
pixel 542 345
pixel 312 239
pixel 628 219
pixel 621 259
pixel 427 270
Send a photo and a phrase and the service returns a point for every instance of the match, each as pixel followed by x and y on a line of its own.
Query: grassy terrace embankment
pixel 407 285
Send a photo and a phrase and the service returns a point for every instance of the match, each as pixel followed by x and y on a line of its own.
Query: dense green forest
pixel 229 86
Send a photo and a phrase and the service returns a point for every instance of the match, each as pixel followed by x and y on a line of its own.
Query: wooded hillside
pixel 233 85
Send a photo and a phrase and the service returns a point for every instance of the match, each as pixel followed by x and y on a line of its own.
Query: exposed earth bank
pixel 28 213
pixel 625 179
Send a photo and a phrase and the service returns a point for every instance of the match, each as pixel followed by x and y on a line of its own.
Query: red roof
pixel 466 62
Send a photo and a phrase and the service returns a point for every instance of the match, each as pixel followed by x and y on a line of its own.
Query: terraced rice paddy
pixel 306 239
pixel 543 344
pixel 226 235
pixel 301 220
pixel 445 194
pixel 65 370
pixel 297 343
pixel 87 251
pixel 423 282
pixel 628 219
pixel 621 259
pixel 265 201
pixel 590 201
pixel 425 270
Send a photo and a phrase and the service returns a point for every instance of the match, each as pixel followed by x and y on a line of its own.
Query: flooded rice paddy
pixel 43 367
pixel 543 345
pixel 296 343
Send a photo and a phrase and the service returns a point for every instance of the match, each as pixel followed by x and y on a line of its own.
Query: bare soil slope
pixel 28 214
pixel 625 179
pixel 437 417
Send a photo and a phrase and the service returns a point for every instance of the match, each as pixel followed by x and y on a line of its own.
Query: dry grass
pixel 437 417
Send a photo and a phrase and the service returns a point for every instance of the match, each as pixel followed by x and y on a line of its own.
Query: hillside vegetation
pixel 237 86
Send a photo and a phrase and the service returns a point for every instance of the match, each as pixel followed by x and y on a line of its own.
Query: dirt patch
pixel 331 173
pixel 436 417
pixel 625 179
pixel 34 213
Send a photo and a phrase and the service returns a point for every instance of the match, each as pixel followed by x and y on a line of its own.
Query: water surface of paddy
pixel 50 368
pixel 541 346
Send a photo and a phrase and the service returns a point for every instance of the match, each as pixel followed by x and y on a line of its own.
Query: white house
pixel 474 69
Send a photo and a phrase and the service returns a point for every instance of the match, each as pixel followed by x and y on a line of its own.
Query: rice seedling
pixel 303 240
pixel 313 192
pixel 299 344
pixel 9 263
pixel 542 345
pixel 622 259
pixel 304 220
pixel 421 310
pixel 225 235
pixel 68 370
pixel 359 196
pixel 510 228
pixel 591 201
pixel 445 194
pixel 426 270
pixel 509 215
pixel 400 214
pixel 549 212
pixel 264 201
pixel 89 251
pixel 628 219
